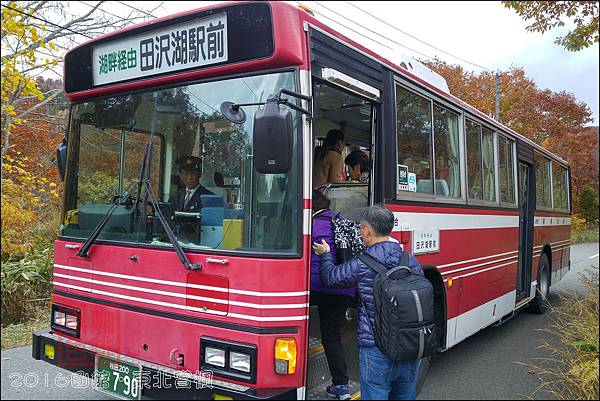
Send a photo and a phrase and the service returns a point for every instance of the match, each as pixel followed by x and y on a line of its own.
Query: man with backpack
pixel 395 325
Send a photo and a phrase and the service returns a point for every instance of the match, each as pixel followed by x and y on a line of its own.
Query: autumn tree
pixel 34 37
pixel 547 15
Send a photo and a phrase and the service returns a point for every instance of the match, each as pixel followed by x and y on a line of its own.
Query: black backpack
pixel 404 322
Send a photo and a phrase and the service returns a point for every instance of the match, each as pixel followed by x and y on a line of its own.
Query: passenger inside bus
pixel 350 117
pixel 328 164
pixel 357 163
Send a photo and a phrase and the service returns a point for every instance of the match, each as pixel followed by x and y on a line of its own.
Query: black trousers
pixel 332 314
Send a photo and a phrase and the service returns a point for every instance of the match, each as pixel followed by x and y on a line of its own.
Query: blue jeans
pixel 382 379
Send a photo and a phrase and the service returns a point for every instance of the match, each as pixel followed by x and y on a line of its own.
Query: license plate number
pixel 118 378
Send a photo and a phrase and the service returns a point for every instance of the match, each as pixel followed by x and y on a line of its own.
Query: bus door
pixel 355 116
pixel 526 213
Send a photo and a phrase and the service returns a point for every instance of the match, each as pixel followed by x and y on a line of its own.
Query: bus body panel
pixel 121 299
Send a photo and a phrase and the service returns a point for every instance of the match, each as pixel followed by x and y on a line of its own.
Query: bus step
pixel 318 376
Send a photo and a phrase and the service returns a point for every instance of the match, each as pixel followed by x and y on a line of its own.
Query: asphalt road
pixel 485 366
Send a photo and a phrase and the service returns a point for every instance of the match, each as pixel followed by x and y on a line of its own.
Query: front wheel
pixel 540 302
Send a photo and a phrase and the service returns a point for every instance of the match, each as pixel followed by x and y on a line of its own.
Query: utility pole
pixel 497 97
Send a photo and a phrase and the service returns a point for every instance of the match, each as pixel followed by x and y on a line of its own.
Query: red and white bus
pixel 214 303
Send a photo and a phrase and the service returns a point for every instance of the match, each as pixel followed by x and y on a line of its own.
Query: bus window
pixel 489 178
pixel 543 197
pixel 480 162
pixel 559 187
pixel 414 132
pixel 474 169
pixel 234 207
pixel 506 175
pixel 447 153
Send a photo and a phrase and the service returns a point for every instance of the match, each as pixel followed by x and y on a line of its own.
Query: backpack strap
pixel 381 268
pixel 405 259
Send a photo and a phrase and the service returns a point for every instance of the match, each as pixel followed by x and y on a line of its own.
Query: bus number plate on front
pixel 118 378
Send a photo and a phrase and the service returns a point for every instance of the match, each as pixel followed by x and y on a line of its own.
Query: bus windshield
pixel 201 170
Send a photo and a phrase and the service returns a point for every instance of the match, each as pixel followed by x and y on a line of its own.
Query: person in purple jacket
pixel 331 303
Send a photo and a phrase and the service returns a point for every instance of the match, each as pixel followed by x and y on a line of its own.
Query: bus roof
pixel 304 16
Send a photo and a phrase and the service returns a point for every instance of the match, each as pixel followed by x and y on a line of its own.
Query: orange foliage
pixel 31 187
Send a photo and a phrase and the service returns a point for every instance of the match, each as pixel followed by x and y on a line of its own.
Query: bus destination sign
pixel 194 43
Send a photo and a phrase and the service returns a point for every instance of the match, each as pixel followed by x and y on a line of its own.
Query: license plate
pixel 120 379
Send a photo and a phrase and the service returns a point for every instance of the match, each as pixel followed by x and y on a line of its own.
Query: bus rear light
pixel 65 320
pixel 285 356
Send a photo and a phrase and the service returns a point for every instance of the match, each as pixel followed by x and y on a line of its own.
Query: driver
pixel 187 199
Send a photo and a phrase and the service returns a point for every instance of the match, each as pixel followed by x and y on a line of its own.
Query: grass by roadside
pixel 571 373
pixel 584 236
pixel 16 335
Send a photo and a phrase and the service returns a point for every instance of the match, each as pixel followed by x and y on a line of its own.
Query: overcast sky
pixel 484 33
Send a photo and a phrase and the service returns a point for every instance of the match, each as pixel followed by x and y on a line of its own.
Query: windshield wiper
pixel 144 182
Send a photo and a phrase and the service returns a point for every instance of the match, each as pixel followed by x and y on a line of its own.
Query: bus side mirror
pixel 272 138
pixel 61 157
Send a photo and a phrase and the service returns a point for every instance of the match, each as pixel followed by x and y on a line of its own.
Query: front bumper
pixel 163 383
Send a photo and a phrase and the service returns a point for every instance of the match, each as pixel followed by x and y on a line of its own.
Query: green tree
pixel 588 205
pixel 550 14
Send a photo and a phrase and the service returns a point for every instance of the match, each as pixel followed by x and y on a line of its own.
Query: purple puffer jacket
pixel 323 229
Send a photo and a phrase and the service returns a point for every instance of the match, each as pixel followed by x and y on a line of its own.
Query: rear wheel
pixel 540 302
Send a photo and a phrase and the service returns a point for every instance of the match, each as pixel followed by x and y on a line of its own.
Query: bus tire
pixel 542 290
pixel 423 370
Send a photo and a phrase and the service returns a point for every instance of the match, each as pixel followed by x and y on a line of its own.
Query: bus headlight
pixel 66 320
pixel 229 359
pixel 214 356
pixel 239 361
pixel 285 356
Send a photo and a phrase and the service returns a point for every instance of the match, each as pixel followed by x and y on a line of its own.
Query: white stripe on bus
pixel 410 221
pixel 482 270
pixel 180 284
pixel 515 257
pixel 475 260
pixel 180 295
pixel 184 307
